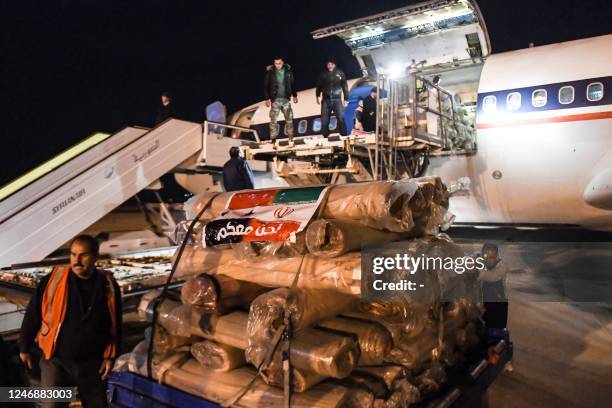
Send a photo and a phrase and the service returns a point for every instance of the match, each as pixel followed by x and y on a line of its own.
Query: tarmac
pixel 560 321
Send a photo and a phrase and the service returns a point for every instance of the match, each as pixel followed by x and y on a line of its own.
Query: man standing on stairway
pixel 278 89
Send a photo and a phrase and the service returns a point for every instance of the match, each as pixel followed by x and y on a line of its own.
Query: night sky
pixel 70 68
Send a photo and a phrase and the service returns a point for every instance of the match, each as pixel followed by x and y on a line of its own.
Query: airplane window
pixel 566 95
pixel 513 101
pixel 333 123
pixel 489 103
pixel 302 126
pixel 316 125
pixel 538 98
pixel 595 92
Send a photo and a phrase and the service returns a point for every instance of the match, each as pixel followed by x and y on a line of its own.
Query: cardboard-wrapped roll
pixel 332 238
pixel 220 387
pixel 304 306
pixel 219 293
pixel 217 356
pixel 300 380
pixel 342 274
pixel 374 340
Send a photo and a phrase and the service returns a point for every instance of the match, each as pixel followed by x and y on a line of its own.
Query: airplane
pixel 542 115
pixel 540 120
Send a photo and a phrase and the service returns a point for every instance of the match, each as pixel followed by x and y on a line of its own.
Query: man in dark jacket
pixel 166 109
pixel 365 114
pixel 237 174
pixel 334 89
pixel 75 316
pixel 278 88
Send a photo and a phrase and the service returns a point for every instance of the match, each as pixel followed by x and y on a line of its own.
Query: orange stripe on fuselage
pixel 553 119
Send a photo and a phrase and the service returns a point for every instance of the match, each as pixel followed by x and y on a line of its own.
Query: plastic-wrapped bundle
pixel 374 340
pixel 227 329
pixel 389 374
pixel 342 274
pixel 160 363
pixel 175 317
pixel 317 351
pixel 429 381
pixel 359 398
pixel 332 238
pixel 189 320
pixel 165 342
pixel 305 306
pixel 122 362
pixel 220 387
pixel 401 319
pixel 374 204
pixel 272 249
pixel 378 205
pixel 416 353
pixel 404 395
pixel 460 283
pixel 144 303
pixel 311 351
pixel 429 206
pixel 440 192
pixel 196 203
pixel 219 293
pixel 216 356
pixel 300 380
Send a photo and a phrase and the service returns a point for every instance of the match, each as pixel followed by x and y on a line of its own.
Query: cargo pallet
pixel 465 387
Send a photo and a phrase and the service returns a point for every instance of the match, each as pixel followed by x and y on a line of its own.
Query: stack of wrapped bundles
pixel 223 328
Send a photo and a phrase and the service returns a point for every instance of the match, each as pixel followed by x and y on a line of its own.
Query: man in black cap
pixel 332 86
pixel 237 174
pixel 166 109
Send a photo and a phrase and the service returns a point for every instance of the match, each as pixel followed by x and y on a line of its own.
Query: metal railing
pixel 218 129
pixel 401 104
pixel 217 125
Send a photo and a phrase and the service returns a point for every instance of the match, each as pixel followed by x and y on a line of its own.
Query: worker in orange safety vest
pixel 75 317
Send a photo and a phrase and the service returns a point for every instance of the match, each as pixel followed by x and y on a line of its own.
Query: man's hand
pixel 345 103
pixel 26 359
pixel 268 103
pixel 295 99
pixel 106 368
pixel 318 100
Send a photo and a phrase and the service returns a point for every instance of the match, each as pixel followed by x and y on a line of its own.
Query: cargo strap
pixel 157 302
pixel 283 332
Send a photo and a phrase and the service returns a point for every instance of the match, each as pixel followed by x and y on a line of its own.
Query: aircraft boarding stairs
pixel 409 128
pixel 46 207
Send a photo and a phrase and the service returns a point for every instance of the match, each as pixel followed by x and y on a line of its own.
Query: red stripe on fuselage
pixel 553 119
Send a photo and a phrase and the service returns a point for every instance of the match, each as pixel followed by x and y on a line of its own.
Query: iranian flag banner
pixel 273 215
